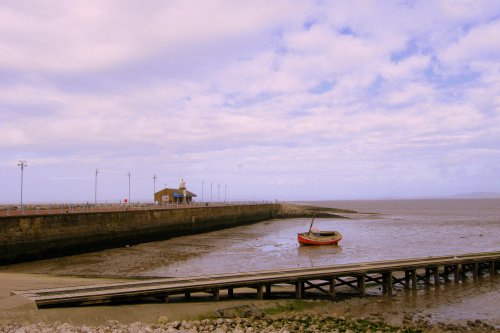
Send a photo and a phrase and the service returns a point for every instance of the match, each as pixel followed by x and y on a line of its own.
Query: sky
pixel 258 100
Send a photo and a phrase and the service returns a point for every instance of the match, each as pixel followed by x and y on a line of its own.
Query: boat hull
pixel 321 238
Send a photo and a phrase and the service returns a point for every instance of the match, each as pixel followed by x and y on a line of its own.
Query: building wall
pixel 25 238
pixel 170 192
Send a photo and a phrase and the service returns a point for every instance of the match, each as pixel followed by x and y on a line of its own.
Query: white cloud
pixel 480 44
pixel 408 68
pixel 287 93
pixel 88 35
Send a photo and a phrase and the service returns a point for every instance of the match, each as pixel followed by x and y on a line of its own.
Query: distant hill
pixel 478 195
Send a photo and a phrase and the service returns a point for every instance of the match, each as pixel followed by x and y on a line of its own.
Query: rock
pixel 163 320
pixel 176 324
pixel 238 329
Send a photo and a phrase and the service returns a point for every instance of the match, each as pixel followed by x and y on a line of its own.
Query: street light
pixel 95 187
pixel 22 164
pixel 128 174
pixel 154 187
pixel 218 192
pixel 225 193
pixel 211 192
pixel 202 187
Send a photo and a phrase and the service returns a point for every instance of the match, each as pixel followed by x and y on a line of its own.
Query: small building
pixel 174 195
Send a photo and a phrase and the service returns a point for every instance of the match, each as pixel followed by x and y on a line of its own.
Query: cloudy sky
pixel 275 99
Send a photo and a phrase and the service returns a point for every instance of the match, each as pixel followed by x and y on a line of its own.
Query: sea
pixel 382 230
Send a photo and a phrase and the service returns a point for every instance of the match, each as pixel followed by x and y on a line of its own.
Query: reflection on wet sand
pixel 314 253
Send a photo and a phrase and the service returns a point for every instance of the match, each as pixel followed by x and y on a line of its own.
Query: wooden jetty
pixel 406 273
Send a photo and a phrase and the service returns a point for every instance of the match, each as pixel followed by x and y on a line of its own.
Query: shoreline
pixel 403 311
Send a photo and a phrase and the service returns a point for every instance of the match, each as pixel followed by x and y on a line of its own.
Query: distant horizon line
pixel 471 195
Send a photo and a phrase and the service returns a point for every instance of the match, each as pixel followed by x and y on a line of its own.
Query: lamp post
pixel 95 186
pixel 211 192
pixel 225 193
pixel 154 188
pixel 202 187
pixel 218 192
pixel 22 164
pixel 128 174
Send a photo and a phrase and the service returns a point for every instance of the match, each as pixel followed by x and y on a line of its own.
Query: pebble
pixel 283 324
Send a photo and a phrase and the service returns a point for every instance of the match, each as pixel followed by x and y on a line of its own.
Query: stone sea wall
pixel 44 235
pixel 31 237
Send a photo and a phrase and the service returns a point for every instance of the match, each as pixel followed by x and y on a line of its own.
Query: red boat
pixel 316 237
pixel 319 238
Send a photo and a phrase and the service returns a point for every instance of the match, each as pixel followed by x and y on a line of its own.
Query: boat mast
pixel 310 227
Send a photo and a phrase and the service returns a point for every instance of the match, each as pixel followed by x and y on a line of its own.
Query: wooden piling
pixel 216 294
pixel 260 292
pixel 299 287
pixel 361 285
pixel 268 290
pixel 456 273
pixel 387 283
pixel 475 271
pixel 407 279
pixel 414 278
pixel 435 271
pixel 332 287
pixel 427 277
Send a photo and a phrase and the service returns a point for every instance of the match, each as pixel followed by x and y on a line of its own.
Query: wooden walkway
pixel 408 273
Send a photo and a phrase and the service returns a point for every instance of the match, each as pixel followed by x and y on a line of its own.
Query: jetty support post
pixel 216 294
pixel 456 273
pixel 299 290
pixel 427 277
pixel 361 285
pixel 493 269
pixel 268 290
pixel 435 271
pixel 463 271
pixel 230 292
pixel 414 278
pixel 475 271
pixel 387 283
pixel 332 286
pixel 260 292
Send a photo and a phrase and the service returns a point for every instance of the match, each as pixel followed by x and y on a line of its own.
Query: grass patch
pixel 287 306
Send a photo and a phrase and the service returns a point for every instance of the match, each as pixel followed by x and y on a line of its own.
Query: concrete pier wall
pixel 26 238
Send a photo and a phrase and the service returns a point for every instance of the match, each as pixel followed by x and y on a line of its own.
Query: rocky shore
pixel 288 210
pixel 284 323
